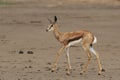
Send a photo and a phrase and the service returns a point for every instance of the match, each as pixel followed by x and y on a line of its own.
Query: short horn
pixel 55 18
pixel 50 20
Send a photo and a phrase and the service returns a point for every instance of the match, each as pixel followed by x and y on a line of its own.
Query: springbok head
pixel 52 24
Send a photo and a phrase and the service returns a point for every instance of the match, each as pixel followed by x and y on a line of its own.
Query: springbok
pixel 86 38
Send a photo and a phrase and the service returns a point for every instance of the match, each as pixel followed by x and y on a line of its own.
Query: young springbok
pixel 86 38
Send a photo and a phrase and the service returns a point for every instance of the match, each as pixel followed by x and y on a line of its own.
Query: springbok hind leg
pixel 88 61
pixel 98 60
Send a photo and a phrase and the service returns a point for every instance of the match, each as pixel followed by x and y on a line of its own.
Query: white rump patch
pixel 95 40
pixel 74 42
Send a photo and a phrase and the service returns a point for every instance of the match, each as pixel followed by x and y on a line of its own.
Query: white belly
pixel 74 42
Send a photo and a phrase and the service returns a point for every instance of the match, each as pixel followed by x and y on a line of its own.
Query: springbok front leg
pixel 68 61
pixel 57 58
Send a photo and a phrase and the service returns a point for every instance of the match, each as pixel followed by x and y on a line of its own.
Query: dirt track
pixel 22 28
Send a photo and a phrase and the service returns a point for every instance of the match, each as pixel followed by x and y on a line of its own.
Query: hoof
pixel 68 73
pixel 81 73
pixel 99 73
pixel 52 70
pixel 103 70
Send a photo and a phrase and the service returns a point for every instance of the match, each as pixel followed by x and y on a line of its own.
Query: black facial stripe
pixel 50 26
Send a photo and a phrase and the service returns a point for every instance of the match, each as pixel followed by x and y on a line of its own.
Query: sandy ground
pixel 22 28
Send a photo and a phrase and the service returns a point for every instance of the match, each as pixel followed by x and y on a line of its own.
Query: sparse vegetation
pixel 2 2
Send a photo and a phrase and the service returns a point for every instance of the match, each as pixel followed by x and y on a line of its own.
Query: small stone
pixel 18 79
pixel 21 52
pixel 81 64
pixel 29 60
pixel 38 70
pixel 30 52
pixel 81 73
pixel 26 67
pixel 30 66
pixel 49 63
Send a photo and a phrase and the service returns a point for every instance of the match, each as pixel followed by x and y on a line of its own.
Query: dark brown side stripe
pixel 76 38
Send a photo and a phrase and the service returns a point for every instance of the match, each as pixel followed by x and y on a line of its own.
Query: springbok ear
pixel 50 21
pixel 55 19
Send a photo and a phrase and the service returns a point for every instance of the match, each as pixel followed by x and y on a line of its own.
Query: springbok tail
pixel 95 40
